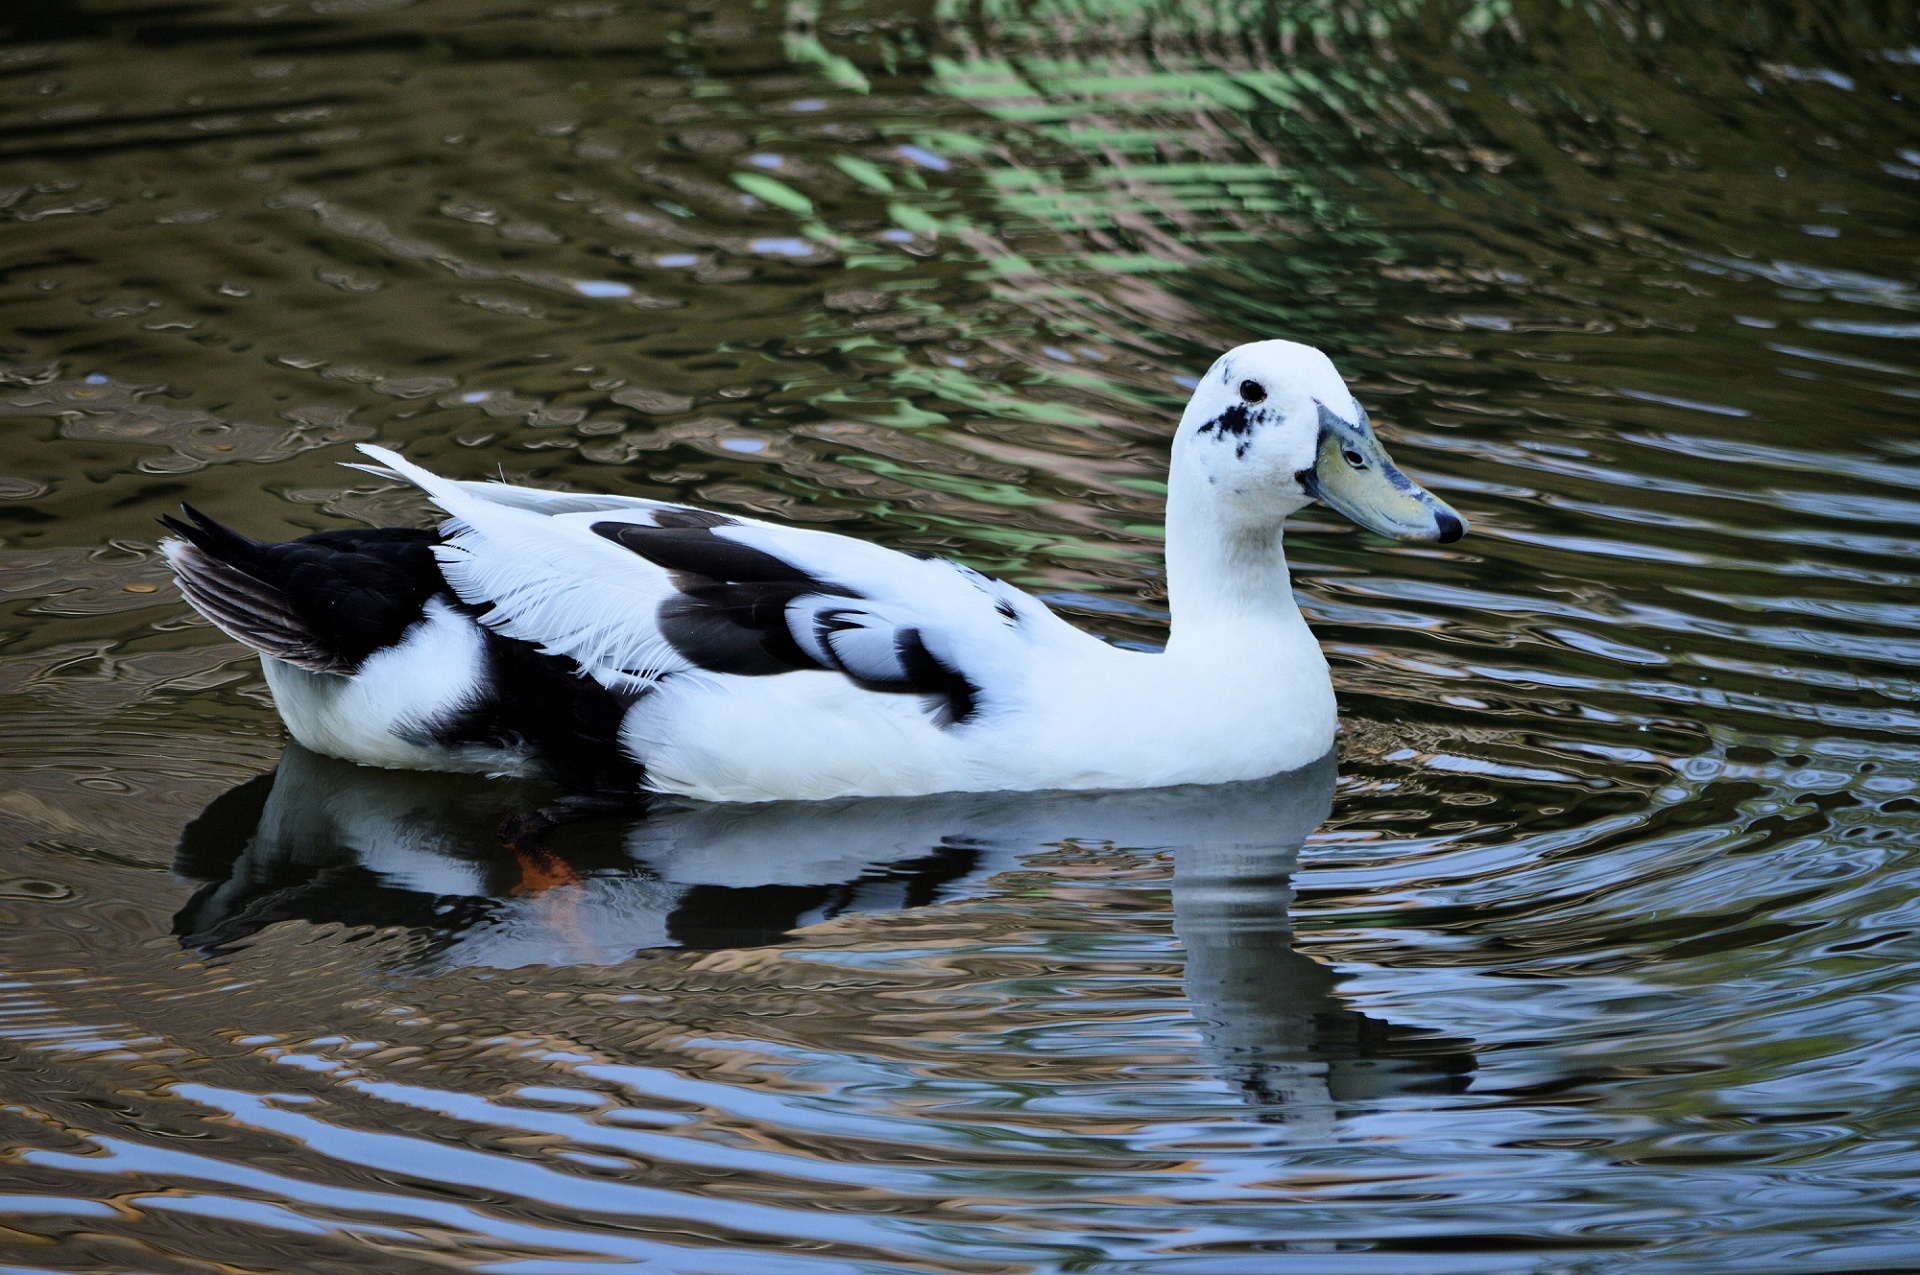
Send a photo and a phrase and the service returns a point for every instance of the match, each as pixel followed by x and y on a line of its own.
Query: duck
pixel 619 646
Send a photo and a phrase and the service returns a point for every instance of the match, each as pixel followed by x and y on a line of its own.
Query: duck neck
pixel 1223 574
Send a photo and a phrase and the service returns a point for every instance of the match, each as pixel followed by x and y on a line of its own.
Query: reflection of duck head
pixel 326 841
pixel 1269 1012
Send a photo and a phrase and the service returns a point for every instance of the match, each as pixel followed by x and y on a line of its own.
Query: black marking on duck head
pixel 1238 419
pixel 1236 422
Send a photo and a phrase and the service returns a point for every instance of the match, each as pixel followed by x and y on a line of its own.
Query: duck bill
pixel 1353 474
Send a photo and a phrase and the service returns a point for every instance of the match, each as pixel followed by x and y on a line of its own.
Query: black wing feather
pixel 696 551
pixel 323 602
pixel 729 611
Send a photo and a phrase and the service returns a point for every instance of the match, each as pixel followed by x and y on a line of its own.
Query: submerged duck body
pixel 619 645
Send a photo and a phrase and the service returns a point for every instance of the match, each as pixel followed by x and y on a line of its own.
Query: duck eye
pixel 1354 458
pixel 1252 391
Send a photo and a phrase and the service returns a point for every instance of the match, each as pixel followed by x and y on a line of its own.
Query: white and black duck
pixel 618 645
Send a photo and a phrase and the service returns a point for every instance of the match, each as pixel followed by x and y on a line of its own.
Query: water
pixel 1593 956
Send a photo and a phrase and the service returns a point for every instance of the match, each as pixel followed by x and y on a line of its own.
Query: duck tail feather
pixel 229 579
pixel 441 490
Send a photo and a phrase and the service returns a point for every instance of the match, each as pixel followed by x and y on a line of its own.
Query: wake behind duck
pixel 618 645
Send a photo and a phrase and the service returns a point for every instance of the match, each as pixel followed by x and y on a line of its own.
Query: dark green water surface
pixel 1597 954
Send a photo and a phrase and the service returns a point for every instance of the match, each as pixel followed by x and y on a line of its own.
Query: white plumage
pixel 755 662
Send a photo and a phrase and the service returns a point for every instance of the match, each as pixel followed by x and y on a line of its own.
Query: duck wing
pixel 633 590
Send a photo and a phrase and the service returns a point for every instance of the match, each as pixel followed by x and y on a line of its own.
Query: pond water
pixel 1592 953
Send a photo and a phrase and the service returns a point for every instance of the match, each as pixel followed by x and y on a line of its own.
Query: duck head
pixel 1272 427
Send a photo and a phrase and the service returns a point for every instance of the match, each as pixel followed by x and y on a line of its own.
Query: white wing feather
pixel 534 557
pixel 570 594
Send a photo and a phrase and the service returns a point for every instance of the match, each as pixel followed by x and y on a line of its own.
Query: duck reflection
pixel 1270 1014
pixel 324 841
